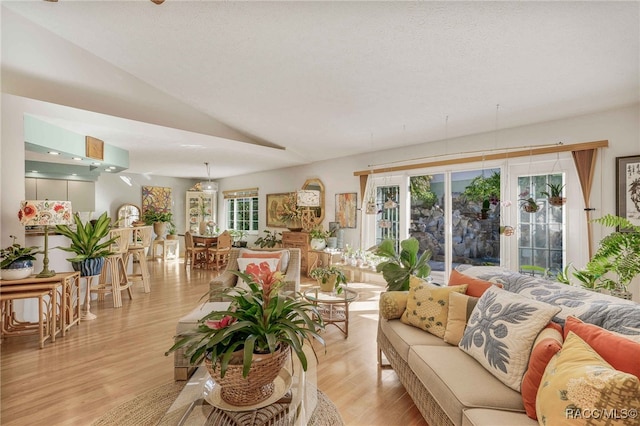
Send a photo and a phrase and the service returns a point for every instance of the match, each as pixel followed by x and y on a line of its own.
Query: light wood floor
pixel 103 363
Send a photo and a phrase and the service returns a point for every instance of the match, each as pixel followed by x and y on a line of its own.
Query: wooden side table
pixel 60 307
pixel 170 249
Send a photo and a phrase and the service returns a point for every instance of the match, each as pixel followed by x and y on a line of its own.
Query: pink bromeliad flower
pixel 262 275
pixel 220 324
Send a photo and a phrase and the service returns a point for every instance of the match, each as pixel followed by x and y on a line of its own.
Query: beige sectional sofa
pixel 450 387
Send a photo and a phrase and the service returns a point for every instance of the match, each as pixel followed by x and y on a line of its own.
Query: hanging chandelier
pixel 208 187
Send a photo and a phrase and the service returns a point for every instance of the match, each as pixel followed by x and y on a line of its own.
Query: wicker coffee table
pixel 294 402
pixel 333 307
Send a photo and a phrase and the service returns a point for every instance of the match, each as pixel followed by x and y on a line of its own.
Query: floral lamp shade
pixel 45 213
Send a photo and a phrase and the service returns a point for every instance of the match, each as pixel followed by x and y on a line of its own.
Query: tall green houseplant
pixel 399 267
pixel 86 241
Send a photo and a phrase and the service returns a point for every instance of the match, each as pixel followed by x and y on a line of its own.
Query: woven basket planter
pixel 257 386
pixel 557 201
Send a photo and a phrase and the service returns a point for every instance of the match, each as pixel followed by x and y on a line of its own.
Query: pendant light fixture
pixel 208 187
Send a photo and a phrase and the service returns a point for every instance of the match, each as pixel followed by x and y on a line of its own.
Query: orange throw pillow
pixel 476 287
pixel 546 345
pixel 263 255
pixel 622 353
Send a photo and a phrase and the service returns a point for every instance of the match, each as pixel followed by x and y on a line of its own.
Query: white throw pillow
pixel 501 332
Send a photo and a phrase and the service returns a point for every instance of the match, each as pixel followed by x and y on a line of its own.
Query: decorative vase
pixel 332 242
pixel 330 283
pixel 172 237
pixel 318 243
pixel 18 270
pixel 160 229
pixel 258 385
pixel 294 225
pixel 89 267
pixel 202 228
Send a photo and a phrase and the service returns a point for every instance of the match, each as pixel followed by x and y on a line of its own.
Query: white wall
pixel 621 127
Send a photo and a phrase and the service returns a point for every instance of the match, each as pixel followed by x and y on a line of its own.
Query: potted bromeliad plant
pixel 329 278
pixel 245 346
pixel 17 261
pixel 87 243
pixel 318 238
pixel 159 220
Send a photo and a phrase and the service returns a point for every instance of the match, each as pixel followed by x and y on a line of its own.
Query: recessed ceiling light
pixel 107 170
pixel 74 174
pixel 77 158
pixel 34 171
pixel 54 153
pixel 112 167
pixel 96 164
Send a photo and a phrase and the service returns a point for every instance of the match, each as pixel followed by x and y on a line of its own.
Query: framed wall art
pixel 346 209
pixel 275 207
pixel 156 198
pixel 628 185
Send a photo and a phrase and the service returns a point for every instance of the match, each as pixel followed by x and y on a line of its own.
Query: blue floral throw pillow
pixel 501 332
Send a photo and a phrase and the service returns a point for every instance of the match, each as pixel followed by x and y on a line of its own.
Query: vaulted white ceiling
pixel 251 86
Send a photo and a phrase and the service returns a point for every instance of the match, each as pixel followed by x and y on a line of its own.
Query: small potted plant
pixel 318 238
pixel 555 194
pixel 87 245
pixel 329 278
pixel 529 205
pixel 238 236
pixel 172 231
pixel 270 240
pixel 17 261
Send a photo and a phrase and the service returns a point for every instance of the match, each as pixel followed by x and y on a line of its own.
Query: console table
pixel 55 316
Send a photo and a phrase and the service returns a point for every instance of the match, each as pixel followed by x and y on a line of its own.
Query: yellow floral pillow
pixel 428 306
pixel 579 387
pixel 393 304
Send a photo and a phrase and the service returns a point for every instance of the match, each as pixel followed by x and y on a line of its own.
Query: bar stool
pixel 138 251
pixel 113 278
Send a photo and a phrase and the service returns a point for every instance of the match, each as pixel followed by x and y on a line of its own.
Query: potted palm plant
pixel 245 346
pixel 329 278
pixel 88 244
pixel 17 261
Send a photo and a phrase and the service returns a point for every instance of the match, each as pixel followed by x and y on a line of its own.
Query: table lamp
pixel 45 213
pixel 308 199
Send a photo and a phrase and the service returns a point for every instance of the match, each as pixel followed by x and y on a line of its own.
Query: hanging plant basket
pixel 530 208
pixel 557 201
pixel 507 231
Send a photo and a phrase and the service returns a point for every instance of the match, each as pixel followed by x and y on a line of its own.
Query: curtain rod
pixel 504 153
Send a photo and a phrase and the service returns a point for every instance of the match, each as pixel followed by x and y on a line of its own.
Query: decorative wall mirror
pixel 127 214
pixel 316 185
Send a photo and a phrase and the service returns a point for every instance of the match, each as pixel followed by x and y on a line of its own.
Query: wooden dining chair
pixel 196 256
pixel 218 256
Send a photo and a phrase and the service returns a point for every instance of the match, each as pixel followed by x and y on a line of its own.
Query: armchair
pixel 290 269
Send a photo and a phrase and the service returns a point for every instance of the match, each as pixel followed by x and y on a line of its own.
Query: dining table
pixel 205 240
